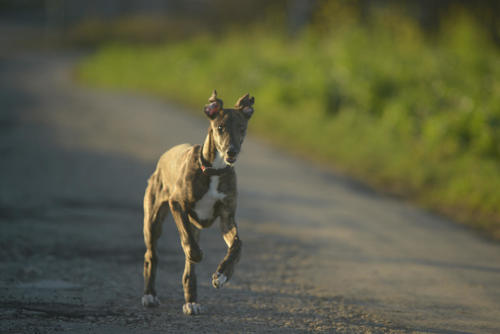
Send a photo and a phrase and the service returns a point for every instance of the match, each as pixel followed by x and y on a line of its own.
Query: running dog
pixel 197 184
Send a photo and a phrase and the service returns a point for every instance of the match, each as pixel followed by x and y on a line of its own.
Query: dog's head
pixel 229 126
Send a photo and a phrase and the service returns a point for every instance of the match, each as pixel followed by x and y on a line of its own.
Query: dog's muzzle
pixel 231 156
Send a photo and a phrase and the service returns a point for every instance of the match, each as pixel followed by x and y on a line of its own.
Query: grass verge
pixel 417 117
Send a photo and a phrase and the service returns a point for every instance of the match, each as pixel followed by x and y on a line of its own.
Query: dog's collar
pixel 207 169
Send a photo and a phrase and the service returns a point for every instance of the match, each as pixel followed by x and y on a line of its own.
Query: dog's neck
pixel 210 152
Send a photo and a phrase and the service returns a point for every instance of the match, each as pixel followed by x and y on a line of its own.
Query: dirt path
pixel 321 253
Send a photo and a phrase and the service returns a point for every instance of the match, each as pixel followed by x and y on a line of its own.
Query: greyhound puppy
pixel 197 184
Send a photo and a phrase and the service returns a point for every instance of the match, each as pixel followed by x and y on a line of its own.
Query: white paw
pixel 218 280
pixel 191 308
pixel 150 301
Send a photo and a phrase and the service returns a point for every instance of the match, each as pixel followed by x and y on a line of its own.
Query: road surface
pixel 321 252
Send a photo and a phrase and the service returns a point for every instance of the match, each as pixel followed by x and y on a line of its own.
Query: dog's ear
pixel 215 105
pixel 245 104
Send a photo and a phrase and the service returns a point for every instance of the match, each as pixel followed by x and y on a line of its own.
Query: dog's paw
pixel 191 308
pixel 150 301
pixel 218 280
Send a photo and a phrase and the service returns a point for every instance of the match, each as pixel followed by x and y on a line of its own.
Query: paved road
pixel 321 253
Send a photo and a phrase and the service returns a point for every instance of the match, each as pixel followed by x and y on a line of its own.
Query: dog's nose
pixel 232 152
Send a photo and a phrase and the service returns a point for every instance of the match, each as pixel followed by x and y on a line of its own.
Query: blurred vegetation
pixel 412 113
pixel 143 29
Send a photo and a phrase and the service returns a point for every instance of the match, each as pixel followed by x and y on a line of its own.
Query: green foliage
pixel 381 101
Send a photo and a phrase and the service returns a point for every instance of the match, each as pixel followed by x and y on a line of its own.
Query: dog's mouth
pixel 230 160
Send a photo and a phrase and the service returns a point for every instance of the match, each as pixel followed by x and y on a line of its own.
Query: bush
pixel 417 117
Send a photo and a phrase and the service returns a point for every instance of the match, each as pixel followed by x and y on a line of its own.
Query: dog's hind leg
pixel 191 307
pixel 155 211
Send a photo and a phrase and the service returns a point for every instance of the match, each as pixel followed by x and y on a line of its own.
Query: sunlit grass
pixel 416 117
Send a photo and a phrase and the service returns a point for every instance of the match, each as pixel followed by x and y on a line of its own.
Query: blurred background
pixel 404 95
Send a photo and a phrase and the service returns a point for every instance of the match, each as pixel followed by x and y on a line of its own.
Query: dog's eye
pixel 220 128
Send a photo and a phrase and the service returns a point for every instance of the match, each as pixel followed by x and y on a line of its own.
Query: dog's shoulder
pixel 175 161
pixel 175 155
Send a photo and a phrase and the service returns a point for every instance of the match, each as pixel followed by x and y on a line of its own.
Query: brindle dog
pixel 197 184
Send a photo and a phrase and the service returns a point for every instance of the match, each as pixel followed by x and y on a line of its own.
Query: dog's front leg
pixel 226 267
pixel 188 241
pixel 190 306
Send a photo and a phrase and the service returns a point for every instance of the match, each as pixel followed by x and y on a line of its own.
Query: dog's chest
pixel 204 207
